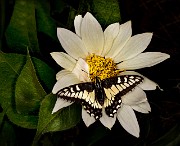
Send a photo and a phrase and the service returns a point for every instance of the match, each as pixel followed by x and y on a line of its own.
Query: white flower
pixel 117 44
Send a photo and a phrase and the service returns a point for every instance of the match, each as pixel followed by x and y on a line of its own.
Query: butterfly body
pixel 102 94
pixel 99 91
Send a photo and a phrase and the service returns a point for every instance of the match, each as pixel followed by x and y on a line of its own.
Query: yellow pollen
pixel 101 67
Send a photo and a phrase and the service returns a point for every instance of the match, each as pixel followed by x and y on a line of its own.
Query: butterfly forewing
pixel 115 88
pixel 84 93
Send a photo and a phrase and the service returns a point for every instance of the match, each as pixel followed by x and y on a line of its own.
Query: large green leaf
pixel 64 119
pixel 106 11
pixel 21 32
pixel 28 90
pixel 11 66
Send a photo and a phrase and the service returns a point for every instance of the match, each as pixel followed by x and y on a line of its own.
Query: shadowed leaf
pixel 21 32
pixel 62 120
pixel 171 138
pixel 7 135
pixel 45 23
pixel 107 11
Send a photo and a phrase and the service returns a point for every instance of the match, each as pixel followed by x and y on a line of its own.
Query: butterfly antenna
pixel 84 71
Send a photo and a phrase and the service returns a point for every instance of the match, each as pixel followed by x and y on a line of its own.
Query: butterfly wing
pixel 115 88
pixel 83 93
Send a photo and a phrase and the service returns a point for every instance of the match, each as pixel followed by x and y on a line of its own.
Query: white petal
pixel 134 46
pixel 122 38
pixel 143 60
pixel 147 84
pixel 107 121
pixel 60 103
pixel 71 43
pixel 143 107
pixel 65 81
pixel 127 119
pixel 81 70
pixel 110 34
pixel 88 120
pixel 64 60
pixel 62 73
pixel 134 97
pixel 92 34
pixel 77 24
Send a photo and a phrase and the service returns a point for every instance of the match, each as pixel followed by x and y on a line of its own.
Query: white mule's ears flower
pixel 118 49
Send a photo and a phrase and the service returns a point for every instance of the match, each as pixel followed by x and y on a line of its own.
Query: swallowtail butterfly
pixel 100 94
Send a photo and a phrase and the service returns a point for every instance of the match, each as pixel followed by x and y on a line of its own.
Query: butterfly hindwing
pixel 115 88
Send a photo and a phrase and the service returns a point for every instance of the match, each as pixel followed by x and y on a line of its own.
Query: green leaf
pixel 7 135
pixel 62 120
pixel 21 32
pixel 106 11
pixel 11 66
pixel 171 138
pixel 28 90
pixel 25 121
pixel 45 23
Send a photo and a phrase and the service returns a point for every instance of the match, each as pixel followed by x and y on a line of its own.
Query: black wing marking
pixel 115 88
pixel 84 93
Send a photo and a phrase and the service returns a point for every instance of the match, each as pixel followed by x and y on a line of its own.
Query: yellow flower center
pixel 101 67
